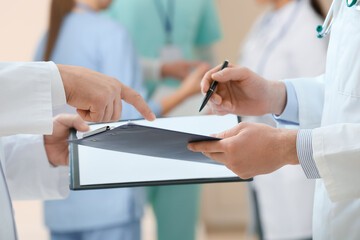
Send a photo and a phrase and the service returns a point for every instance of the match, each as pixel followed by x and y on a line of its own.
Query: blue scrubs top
pixel 90 40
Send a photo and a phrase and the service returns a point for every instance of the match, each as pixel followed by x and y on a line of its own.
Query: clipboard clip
pixel 99 130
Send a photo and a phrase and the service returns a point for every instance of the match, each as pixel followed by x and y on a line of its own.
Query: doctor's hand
pixel 97 97
pixel 251 149
pixel 242 92
pixel 56 147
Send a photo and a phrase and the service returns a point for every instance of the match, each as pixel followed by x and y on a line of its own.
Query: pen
pixel 212 88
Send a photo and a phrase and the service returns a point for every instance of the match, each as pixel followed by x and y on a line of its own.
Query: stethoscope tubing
pixel 324 29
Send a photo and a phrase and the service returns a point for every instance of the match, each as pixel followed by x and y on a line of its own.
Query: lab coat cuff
pixel 333 189
pixel 58 96
pixel 290 115
pixel 304 148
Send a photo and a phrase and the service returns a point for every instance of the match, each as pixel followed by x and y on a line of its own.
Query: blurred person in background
pixel 171 34
pixel 78 35
pixel 281 45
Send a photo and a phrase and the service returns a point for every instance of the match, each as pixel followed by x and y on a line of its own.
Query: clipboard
pixel 99 163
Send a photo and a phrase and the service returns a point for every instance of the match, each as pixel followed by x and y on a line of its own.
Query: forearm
pixel 171 101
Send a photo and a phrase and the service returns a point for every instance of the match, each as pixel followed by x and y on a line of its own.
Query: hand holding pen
pixel 242 92
pixel 212 88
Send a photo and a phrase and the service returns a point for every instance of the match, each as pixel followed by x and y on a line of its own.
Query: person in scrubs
pixel 79 36
pixel 169 31
pixel 280 45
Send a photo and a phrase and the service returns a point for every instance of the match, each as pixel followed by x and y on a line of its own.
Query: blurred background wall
pixel 224 206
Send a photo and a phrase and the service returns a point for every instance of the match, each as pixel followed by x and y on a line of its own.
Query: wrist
pixel 64 74
pixel 287 146
pixel 164 70
pixel 277 97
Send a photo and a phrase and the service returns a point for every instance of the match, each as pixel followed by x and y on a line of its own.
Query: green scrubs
pixel 194 24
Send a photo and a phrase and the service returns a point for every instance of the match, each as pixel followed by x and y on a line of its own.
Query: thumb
pixel 80 125
pixel 67 121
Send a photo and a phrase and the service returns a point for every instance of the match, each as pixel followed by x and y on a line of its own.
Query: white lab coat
pixel 336 144
pixel 26 93
pixel 282 44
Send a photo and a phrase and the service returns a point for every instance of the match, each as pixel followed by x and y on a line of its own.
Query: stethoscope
pixel 325 29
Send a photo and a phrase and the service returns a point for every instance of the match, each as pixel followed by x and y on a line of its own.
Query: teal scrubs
pixel 195 23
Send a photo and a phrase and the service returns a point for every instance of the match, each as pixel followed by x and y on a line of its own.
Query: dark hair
pixel 59 9
pixel 315 4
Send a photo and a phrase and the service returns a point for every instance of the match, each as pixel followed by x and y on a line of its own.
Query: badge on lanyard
pixel 170 52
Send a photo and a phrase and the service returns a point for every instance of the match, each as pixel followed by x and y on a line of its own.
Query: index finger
pixel 207 79
pixel 132 97
pixel 207 146
pixel 231 74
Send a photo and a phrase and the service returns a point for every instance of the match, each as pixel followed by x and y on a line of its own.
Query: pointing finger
pixel 132 97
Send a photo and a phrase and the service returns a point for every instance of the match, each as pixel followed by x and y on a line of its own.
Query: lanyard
pixel 167 18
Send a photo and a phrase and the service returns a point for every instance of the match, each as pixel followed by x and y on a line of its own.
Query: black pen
pixel 212 88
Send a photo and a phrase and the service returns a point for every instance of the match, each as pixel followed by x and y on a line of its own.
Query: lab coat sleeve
pixel 28 93
pixel 28 172
pixel 310 96
pixel 337 155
